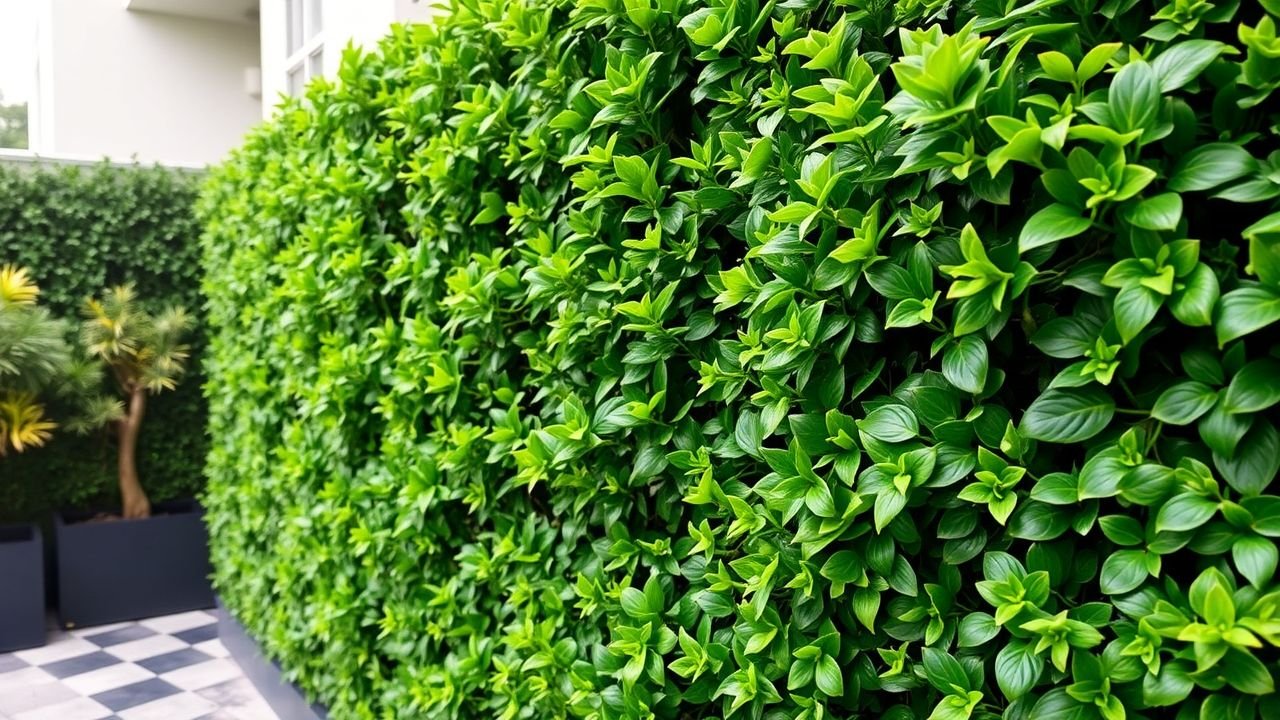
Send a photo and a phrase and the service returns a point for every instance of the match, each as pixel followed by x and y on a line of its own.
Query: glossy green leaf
pixel 1068 416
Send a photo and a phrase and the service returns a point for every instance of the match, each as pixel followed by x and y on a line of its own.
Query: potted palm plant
pixel 143 560
pixel 35 361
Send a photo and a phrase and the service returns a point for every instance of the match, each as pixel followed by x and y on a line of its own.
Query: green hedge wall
pixel 774 360
pixel 79 229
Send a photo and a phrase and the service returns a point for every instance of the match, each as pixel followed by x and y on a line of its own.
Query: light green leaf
pixel 1161 212
pixel 1051 224
pixel 1255 558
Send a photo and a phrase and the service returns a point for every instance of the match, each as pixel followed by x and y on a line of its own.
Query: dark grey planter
pixel 115 570
pixel 286 699
pixel 21 587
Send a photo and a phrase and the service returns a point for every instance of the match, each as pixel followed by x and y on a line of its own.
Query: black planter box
pixel 286 699
pixel 114 570
pixel 21 587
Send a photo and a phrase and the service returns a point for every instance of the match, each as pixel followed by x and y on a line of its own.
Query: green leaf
pixel 1222 431
pixel 1243 311
pixel 1056 489
pixel 1181 63
pixel 1122 529
pixel 1057 66
pixel 843 567
pixel 1058 705
pixel 965 364
pixel 1095 60
pixel 635 604
pixel 1255 557
pixel 976 629
pixel 1264 246
pixel 1134 97
pixel 889 502
pixel 1211 165
pixel 757 162
pixel 890 423
pixel 1246 673
pixel 1170 686
pixel 1187 511
pixel 1051 224
pixel 1219 608
pixel 1038 522
pixel 866 604
pixel 1183 403
pixel 1123 571
pixel 1161 212
pixel 494 208
pixel 1255 462
pixel 943 671
pixel 1065 337
pixel 1102 475
pixel 1018 668
pixel 1192 303
pixel 1135 307
pixel 1069 415
pixel 1256 387
pixel 828 677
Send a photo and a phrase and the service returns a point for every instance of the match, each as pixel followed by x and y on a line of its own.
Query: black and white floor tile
pixel 165 668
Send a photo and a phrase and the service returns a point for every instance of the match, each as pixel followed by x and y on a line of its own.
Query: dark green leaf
pixel 1211 165
pixel 1068 416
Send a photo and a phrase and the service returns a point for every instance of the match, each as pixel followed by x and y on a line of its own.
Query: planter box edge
pixel 285 698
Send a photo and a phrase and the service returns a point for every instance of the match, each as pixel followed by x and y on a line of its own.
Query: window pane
pixel 293 21
pixel 297 79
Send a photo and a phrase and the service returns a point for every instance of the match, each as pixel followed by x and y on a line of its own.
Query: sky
pixel 18 48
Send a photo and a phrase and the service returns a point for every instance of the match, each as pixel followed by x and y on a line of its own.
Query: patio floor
pixel 165 668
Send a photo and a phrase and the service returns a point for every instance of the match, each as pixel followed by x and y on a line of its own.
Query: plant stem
pixel 133 499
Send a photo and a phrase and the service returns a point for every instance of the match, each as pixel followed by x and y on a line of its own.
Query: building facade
pixel 305 38
pixel 180 81
pixel 120 80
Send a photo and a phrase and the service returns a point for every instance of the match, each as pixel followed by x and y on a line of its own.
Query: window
pixel 304 43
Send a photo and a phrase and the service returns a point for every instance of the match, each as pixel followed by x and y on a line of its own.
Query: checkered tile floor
pixel 165 668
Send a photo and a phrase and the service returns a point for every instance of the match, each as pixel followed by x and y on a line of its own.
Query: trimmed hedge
pixel 782 360
pixel 78 230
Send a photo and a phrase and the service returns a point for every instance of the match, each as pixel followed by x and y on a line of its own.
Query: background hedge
pixel 79 229
pixel 739 359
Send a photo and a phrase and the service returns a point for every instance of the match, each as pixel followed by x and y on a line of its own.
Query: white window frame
pixel 312 46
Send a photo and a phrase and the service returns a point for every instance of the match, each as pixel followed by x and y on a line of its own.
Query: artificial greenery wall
pixel 737 359
pixel 78 230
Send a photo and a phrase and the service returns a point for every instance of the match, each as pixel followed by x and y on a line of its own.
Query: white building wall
pixel 360 22
pixel 161 88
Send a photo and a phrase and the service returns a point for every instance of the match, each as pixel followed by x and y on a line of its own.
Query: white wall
pixel 163 88
pixel 362 22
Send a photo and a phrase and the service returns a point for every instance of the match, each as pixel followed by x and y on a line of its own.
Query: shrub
pixel 783 360
pixel 78 230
